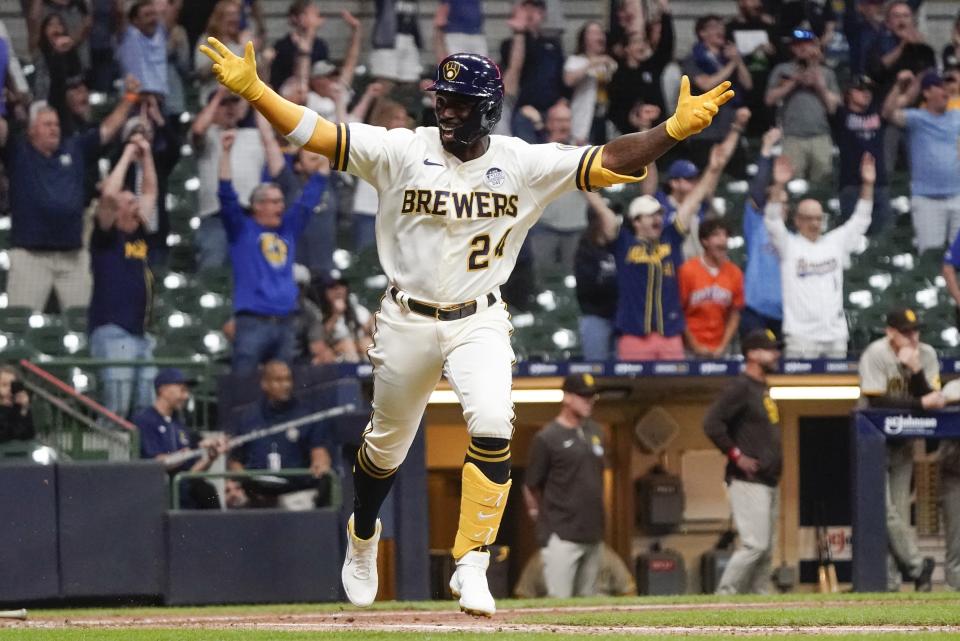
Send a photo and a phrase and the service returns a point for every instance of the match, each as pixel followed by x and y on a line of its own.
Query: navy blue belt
pixel 445 313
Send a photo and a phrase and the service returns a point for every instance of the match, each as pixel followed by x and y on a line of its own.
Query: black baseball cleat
pixel 923 581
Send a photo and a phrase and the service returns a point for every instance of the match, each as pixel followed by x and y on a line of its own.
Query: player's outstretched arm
pixel 301 126
pixel 631 153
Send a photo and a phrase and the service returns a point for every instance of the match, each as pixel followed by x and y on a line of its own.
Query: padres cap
pixel 759 339
pixel 171 376
pixel 903 319
pixel 580 384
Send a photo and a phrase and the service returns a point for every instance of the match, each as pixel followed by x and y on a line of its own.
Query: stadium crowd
pixel 827 105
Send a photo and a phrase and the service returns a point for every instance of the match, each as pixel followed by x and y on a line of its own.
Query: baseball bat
pixel 180 457
pixel 832 583
pixel 20 614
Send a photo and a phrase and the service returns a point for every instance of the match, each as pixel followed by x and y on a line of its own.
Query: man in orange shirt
pixel 711 292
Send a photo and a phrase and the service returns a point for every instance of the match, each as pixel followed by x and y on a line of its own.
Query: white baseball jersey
pixel 812 273
pixel 449 231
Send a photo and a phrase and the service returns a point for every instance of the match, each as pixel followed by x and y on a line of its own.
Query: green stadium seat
pixel 75 318
pixel 15 319
pixel 48 339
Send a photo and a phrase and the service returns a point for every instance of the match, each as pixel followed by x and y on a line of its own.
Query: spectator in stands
pixel 639 74
pixel 587 74
pixel 47 202
pixel 262 248
pixel 165 144
pixel 224 25
pixel 648 256
pixel 862 25
pixel 162 433
pixel 951 263
pixel 763 301
pixel 389 115
pixel 711 294
pixel 811 268
pixel 538 56
pixel 951 82
pixel 458 27
pixel 752 31
pixel 807 94
pixel 744 423
pixel 816 15
pixel 179 60
pixel 55 60
pixel 563 492
pixel 75 17
pixel 105 19
pixel 224 111
pixel 900 46
pixel 234 496
pixel 951 51
pixel 122 283
pixel 331 87
pixel 12 79
pixel 344 329
pixel 683 179
pixel 16 421
pixel 300 46
pixel 396 41
pixel 595 270
pixel 309 448
pixel 555 236
pixel 899 372
pixel 194 16
pixel 713 60
pixel 142 52
pixel 934 161
pixel 858 129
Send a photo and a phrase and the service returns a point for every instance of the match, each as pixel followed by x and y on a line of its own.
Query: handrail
pixel 83 399
pixel 336 493
pixel 72 413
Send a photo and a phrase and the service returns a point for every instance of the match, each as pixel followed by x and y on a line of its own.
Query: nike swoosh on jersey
pixel 485 515
pixel 427 161
pixel 567 443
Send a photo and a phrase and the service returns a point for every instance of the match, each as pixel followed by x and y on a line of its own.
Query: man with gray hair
pixel 47 201
pixel 262 250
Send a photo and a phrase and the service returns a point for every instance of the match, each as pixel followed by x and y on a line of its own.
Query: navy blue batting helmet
pixel 471 75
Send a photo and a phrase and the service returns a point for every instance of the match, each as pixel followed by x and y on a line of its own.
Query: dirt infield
pixel 452 621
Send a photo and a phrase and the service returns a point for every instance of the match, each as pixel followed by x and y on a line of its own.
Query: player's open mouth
pixel 446 132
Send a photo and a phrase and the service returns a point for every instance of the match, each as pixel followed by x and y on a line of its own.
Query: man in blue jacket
pixel 262 251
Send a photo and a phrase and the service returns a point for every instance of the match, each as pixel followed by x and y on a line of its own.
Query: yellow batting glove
pixel 237 74
pixel 695 113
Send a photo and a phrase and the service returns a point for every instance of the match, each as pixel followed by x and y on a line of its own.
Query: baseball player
pixel 455 206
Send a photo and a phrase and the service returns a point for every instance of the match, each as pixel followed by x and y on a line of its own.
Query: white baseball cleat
pixel 469 584
pixel 359 574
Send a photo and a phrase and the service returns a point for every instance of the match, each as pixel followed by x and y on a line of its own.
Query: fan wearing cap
pixel 162 433
pixel 648 253
pixel 563 492
pixel 744 423
pixel 899 372
pixel 932 132
pixel 807 94
pixel 811 268
pixel 858 129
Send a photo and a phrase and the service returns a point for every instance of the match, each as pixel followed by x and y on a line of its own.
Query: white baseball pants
pixel 409 354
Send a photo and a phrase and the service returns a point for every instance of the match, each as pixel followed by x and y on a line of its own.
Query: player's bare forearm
pixel 631 153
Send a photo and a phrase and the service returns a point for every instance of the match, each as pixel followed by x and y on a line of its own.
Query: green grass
pixel 240 635
pixel 804 610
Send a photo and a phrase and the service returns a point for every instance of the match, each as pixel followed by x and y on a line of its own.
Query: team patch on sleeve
pixel 341 149
pixel 587 160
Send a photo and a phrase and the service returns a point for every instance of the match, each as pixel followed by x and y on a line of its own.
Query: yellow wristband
pixel 674 128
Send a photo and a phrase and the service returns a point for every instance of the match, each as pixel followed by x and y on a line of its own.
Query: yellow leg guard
pixel 482 503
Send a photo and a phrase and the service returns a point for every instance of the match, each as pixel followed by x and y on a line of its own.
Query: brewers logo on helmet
pixel 477 77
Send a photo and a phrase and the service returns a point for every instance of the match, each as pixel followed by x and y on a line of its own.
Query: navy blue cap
pixel 931 79
pixel 802 35
pixel 171 376
pixel 682 169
